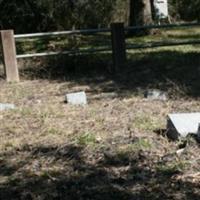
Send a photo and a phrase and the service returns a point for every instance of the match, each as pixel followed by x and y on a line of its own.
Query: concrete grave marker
pixel 161 8
pixel 155 95
pixel 6 106
pixel 78 98
pixel 182 124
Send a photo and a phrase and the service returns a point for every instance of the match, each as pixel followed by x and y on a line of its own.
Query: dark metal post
pixel 118 45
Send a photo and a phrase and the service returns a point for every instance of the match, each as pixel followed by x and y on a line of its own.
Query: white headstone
pixel 155 95
pixel 161 9
pixel 78 98
pixel 6 106
pixel 182 124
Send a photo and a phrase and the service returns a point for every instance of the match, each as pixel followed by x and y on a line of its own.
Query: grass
pixel 164 35
pixel 173 167
pixel 62 43
pixel 86 139
pixel 107 143
pixel 143 122
pixel 140 144
pixel 113 148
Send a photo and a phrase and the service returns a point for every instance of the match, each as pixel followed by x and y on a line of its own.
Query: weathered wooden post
pixel 118 45
pixel 9 55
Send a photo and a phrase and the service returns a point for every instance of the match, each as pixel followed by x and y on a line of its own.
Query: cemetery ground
pixel 113 148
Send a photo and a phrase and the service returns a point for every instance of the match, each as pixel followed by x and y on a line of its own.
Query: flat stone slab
pixel 155 95
pixel 78 98
pixel 6 106
pixel 182 124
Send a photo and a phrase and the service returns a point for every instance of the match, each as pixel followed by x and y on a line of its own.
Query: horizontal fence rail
pixel 49 34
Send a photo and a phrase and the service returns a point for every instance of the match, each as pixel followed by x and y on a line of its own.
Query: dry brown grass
pixel 108 149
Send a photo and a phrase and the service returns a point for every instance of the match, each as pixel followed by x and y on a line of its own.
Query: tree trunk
pixel 140 14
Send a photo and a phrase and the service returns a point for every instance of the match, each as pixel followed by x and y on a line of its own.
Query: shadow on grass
pixel 172 71
pixel 50 172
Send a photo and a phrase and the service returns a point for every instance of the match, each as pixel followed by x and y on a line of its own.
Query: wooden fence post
pixel 118 45
pixel 9 55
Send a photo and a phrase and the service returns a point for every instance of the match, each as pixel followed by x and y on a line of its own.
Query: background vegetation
pixel 45 15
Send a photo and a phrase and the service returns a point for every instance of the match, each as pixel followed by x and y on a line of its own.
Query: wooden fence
pixel 7 39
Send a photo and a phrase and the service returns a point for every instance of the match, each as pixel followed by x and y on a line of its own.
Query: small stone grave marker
pixel 155 95
pixel 6 106
pixel 182 124
pixel 78 98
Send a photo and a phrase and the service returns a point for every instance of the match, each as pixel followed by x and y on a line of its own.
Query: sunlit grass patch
pixel 175 166
pixel 138 144
pixel 85 139
pixel 146 122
